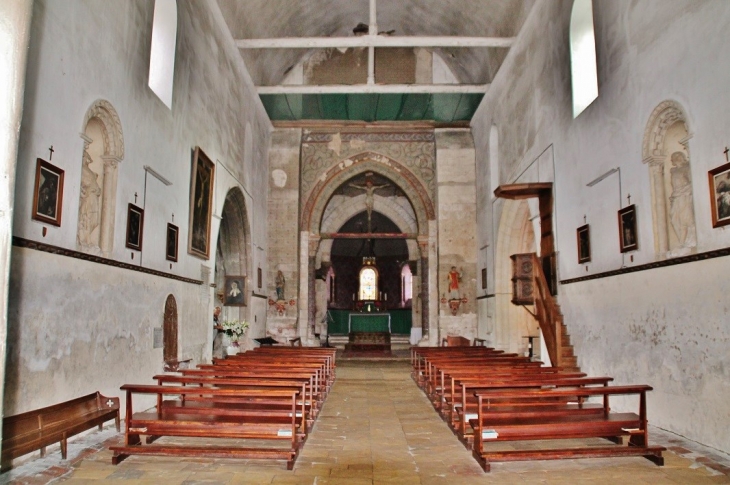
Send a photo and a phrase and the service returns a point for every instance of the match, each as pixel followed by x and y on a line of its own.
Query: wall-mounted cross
pixel 173 217
pixel 629 197
pixel 584 218
pixel 135 197
pixel 725 152
pixel 50 157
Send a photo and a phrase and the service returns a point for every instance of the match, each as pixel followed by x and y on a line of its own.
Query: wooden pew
pixel 176 418
pixel 34 430
pixel 556 422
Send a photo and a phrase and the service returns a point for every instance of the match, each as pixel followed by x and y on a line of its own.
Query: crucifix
pixel 629 197
pixel 584 218
pixel 135 197
pixel 173 217
pixel 50 157
pixel 725 152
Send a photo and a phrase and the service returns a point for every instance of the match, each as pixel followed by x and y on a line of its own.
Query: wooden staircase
pixel 535 290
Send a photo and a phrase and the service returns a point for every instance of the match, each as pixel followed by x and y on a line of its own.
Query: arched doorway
pixel 232 265
pixel 515 235
pixel 169 331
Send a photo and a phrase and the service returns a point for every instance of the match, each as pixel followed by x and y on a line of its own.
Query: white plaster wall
pixel 648 52
pixel 81 52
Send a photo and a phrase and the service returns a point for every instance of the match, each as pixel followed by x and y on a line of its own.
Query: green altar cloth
pixel 369 322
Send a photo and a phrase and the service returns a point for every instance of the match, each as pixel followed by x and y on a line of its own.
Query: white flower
pixel 234 328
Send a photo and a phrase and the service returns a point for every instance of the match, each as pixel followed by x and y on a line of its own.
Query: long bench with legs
pixel 487 397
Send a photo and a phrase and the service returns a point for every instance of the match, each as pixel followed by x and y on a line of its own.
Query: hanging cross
pixel 173 217
pixel 584 218
pixel 135 197
pixel 50 157
pixel 629 197
pixel 725 152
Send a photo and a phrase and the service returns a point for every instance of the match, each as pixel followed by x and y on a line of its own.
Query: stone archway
pixel 666 152
pixel 417 220
pixel 515 235
pixel 103 150
pixel 233 258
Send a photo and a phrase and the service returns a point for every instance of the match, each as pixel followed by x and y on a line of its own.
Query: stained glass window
pixel 368 284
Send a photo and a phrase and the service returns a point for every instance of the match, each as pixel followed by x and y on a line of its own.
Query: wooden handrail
pixel 547 314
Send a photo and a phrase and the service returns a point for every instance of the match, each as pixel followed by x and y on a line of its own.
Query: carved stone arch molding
pixel 666 152
pixel 103 150
pixel 337 175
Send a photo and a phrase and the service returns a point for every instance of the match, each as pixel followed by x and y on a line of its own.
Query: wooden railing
pixel 547 314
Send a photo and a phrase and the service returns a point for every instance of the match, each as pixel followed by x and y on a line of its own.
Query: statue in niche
pixel 454 277
pixel 89 203
pixel 681 209
pixel 280 282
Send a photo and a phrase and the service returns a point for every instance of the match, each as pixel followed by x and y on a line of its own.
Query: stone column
pixel 108 205
pixel 15 16
pixel 659 204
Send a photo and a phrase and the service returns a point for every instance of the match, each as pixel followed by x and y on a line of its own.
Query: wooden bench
pixel 196 414
pixel 560 421
pixel 34 430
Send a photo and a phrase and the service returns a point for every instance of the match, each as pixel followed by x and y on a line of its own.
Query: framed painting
pixel 628 238
pixel 234 291
pixel 584 244
pixel 47 193
pixel 720 195
pixel 201 204
pixel 135 226
pixel 171 242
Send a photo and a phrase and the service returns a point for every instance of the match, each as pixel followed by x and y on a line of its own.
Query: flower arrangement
pixel 234 329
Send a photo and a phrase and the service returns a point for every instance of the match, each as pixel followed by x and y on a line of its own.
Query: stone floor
pixel 375 428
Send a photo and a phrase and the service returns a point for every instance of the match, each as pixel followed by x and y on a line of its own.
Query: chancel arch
pixel 666 152
pixel 103 150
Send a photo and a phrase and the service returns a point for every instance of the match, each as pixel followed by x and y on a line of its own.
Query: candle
pixel 386 297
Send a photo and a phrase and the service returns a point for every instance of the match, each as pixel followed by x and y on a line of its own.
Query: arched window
pixel 583 66
pixel 493 159
pixel 368 283
pixel 162 50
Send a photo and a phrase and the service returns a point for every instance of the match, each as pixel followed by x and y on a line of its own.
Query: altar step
pixel 396 341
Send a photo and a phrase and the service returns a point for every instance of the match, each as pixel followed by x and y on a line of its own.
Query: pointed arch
pixel 326 186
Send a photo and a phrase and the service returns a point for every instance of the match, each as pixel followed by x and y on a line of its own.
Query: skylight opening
pixel 162 50
pixel 583 64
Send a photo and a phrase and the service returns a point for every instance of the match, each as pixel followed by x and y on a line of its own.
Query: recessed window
pixel 162 50
pixel 583 67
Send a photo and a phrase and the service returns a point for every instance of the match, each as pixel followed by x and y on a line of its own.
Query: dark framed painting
pixel 135 226
pixel 484 278
pixel 47 193
pixel 720 195
pixel 627 235
pixel 201 204
pixel 234 291
pixel 171 242
pixel 584 244
pixel 259 278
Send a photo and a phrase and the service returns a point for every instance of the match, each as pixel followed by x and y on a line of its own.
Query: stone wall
pixel 79 326
pixel 661 326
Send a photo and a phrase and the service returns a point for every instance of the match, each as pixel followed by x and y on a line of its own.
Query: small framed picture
pixel 720 195
pixel 47 193
pixel 484 278
pixel 234 291
pixel 584 244
pixel 135 225
pixel 171 244
pixel 259 278
pixel 628 238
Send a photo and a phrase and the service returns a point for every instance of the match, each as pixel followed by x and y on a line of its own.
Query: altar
pixel 368 322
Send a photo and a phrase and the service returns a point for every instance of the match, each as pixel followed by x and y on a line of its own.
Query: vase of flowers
pixel 234 330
